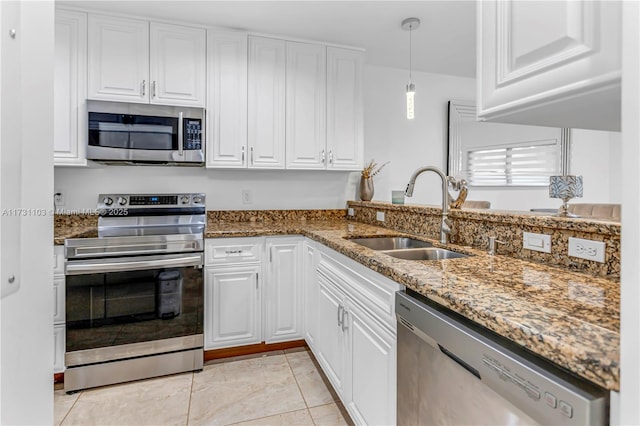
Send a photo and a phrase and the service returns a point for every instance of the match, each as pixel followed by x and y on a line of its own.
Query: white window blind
pixel 518 164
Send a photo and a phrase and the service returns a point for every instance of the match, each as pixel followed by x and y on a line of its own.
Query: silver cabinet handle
pixel 243 155
pixel 345 325
pixel 330 156
pixel 153 89
pixel 180 134
pixel 340 315
pixel 324 159
pixel 233 251
pixel 251 155
pixel 144 87
pixel 257 277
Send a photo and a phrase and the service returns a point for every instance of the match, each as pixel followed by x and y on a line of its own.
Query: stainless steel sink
pixel 431 253
pixel 390 243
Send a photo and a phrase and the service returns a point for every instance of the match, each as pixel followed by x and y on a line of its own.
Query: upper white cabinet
pixel 266 90
pixel 177 65
pixel 345 134
pixel 551 63
pixel 131 60
pixel 226 99
pixel 70 89
pixel 306 106
pixel 118 59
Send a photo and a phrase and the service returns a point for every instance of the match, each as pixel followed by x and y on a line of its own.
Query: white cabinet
pixel 306 106
pixel 311 291
pixel 345 122
pixel 118 59
pixel 232 306
pixel 355 341
pixel 59 318
pixel 283 294
pixel 252 291
pixel 266 93
pixel 565 76
pixel 226 100
pixel 70 89
pixel 131 60
pixel 177 65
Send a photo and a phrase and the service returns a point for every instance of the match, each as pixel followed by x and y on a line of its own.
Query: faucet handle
pixel 492 245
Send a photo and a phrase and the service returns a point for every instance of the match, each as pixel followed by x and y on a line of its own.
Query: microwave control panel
pixel 192 134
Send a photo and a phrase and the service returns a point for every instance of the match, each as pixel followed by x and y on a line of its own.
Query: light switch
pixel 536 242
pixel 380 216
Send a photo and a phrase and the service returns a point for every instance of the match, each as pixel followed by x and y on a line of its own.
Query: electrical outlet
pixel 380 216
pixel 350 211
pixel 247 198
pixel 587 249
pixel 536 242
pixel 58 197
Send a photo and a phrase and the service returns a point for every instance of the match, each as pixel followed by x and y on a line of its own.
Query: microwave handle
pixel 180 134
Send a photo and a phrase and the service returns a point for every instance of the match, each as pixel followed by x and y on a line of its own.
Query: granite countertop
pixel 569 318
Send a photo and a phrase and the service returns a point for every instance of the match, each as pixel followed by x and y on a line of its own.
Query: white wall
pixel 26 389
pixel 409 144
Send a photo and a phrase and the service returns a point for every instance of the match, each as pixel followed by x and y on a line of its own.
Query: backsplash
pixel 273 215
pixel 474 227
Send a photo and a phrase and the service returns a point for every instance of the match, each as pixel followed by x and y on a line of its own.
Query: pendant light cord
pixel 410 50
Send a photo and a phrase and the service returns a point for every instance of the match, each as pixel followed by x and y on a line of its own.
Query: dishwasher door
pixel 453 372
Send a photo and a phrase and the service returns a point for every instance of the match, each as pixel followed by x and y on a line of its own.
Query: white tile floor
pixel 278 388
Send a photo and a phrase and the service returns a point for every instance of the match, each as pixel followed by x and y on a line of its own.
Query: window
pixel 517 164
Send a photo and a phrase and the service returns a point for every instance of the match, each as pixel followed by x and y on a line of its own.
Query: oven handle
pixel 132 264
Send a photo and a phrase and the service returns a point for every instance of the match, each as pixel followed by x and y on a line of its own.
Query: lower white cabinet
pixel 311 291
pixel 59 317
pixel 282 290
pixel 355 336
pixel 252 291
pixel 232 306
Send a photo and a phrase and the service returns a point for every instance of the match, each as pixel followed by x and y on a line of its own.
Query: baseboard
pixel 252 349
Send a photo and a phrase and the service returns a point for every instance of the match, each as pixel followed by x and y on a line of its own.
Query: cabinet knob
pixel 11 279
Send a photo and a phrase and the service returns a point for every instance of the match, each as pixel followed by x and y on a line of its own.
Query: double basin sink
pixel 407 248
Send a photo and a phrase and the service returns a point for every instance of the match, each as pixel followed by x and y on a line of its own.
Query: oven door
pixel 132 300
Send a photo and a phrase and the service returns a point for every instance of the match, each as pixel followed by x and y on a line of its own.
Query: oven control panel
pixel 111 201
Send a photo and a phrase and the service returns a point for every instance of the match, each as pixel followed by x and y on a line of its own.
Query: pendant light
pixel 410 24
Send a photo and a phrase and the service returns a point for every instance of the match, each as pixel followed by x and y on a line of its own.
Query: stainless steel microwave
pixel 145 134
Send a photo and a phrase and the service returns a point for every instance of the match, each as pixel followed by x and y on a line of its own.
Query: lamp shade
pixel 565 187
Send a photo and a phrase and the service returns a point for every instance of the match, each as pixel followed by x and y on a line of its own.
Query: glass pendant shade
pixel 411 91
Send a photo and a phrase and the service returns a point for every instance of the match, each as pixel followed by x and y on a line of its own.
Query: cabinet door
pixel 565 76
pixel 58 300
pixel 283 292
pixel 227 100
pixel 177 65
pixel 266 128
pixel 118 59
pixel 371 388
pixel 345 134
pixel 59 342
pixel 330 347
pixel 232 306
pixel 70 89
pixel 311 292
pixel 306 106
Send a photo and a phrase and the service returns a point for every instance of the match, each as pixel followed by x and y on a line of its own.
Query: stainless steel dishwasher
pixel 451 371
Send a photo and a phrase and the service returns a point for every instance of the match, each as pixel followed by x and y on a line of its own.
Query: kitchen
pixel 224 188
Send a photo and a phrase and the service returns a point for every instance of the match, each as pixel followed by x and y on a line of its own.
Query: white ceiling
pixel 444 43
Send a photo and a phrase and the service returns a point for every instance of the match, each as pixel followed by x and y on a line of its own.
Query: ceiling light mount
pixel 410 24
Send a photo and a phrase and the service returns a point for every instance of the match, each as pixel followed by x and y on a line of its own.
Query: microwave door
pixel 154 133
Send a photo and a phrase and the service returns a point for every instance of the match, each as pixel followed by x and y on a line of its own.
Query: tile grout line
pixel 70 408
pixel 299 388
pixel 190 396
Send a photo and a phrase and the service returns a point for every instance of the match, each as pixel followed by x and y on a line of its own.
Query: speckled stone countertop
pixel 569 318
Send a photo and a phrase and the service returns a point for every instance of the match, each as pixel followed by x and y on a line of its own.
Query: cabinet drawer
pixel 58 260
pixel 226 251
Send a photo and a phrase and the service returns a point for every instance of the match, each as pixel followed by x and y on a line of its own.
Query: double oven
pixel 134 292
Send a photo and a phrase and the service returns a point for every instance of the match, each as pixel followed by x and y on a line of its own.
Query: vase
pixel 366 189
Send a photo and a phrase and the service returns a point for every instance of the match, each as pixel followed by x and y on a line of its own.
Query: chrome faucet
pixel 445 229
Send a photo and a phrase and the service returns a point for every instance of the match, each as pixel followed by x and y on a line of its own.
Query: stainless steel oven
pixel 134 294
pixel 138 133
